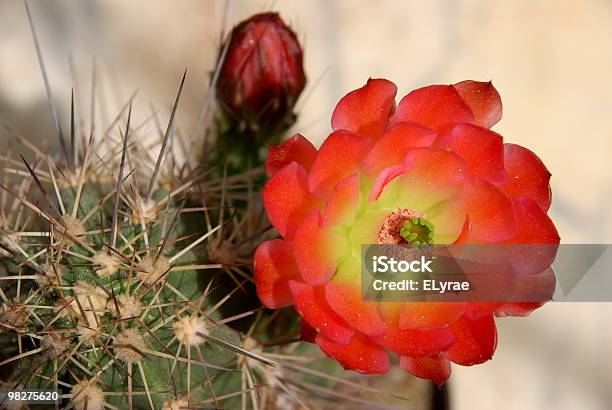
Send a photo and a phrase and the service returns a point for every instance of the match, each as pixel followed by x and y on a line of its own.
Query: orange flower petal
pixel 345 300
pixel 435 368
pixel 435 107
pixel 478 310
pixel 536 228
pixel 476 340
pixel 384 178
pixel 436 168
pixel 343 202
pixel 274 265
pixel 310 303
pixel 527 175
pixel 483 99
pixel 365 111
pixel 393 146
pixel 313 249
pixel 416 343
pixel 482 150
pixel 490 212
pixel 534 225
pixel 338 158
pixel 360 354
pixel 287 199
pixel 296 148
pixel 424 315
pixel 520 309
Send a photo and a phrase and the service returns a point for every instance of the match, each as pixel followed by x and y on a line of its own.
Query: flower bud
pixel 261 77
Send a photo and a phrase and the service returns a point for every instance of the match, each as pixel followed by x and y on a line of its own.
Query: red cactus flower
pixel 426 171
pixel 262 74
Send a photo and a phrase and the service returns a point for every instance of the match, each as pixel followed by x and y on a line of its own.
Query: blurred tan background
pixel 550 60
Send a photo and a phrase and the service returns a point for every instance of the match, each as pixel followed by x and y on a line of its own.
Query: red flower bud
pixel 262 75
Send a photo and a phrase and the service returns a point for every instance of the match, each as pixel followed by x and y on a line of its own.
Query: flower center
pixel 405 226
pixel 417 231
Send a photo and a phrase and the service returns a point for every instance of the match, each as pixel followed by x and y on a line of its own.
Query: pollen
pixel 176 404
pixel 129 306
pixel 129 346
pixel 152 270
pixel 106 264
pixel 87 396
pixel 389 232
pixel 188 330
pixel 73 226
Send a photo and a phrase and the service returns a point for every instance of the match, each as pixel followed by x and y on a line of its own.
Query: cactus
pixel 126 277
pixel 108 296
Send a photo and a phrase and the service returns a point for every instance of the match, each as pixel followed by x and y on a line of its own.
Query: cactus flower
pixel 261 76
pixel 427 171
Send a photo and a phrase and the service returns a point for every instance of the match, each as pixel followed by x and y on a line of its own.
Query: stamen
pixel 389 232
pixel 417 231
pixel 405 226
